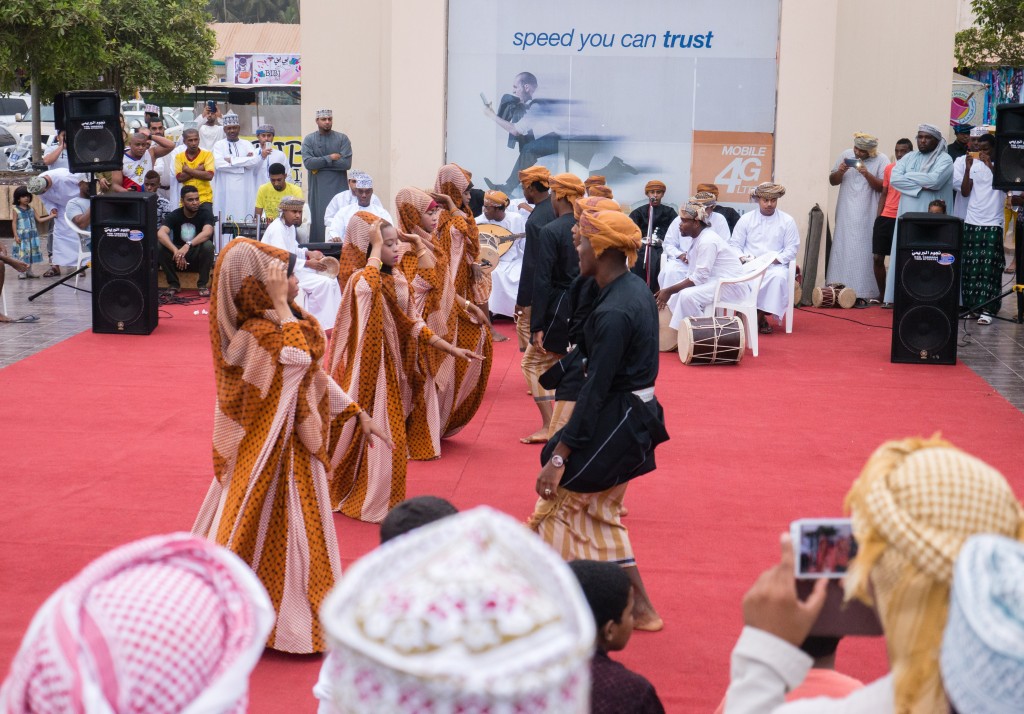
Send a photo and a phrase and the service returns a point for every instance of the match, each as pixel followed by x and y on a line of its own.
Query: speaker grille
pixel 119 255
pixel 1011 160
pixel 121 302
pixel 95 145
pixel 926 279
pixel 924 329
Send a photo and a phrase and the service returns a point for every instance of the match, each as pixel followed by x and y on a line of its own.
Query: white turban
pixel 930 129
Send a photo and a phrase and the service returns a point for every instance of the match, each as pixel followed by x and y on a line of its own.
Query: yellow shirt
pixel 203 162
pixel 269 197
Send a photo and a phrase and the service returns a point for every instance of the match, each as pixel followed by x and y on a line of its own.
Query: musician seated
pixel 363 193
pixel 710 258
pixel 320 291
pixel 505 276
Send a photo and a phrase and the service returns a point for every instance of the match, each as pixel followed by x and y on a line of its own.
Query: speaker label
pixel 136 235
pixel 930 255
pixel 947 259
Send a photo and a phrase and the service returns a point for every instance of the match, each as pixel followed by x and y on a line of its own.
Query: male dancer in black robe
pixel 648 261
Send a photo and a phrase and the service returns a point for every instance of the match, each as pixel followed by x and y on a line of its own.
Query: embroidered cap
pixel 324 113
pixel 230 119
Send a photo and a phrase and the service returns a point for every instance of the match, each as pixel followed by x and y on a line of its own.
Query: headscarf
pixel 705 198
pixel 769 190
pixel 497 197
pixel 166 624
pixel 709 187
pixel 939 150
pixel 469 613
pixel 600 192
pixel 930 129
pixel 866 142
pixel 356 244
pixel 412 204
pixel 535 174
pixel 567 186
pixel 962 128
pixel 913 506
pixel 982 657
pixel 611 229
pixel 452 180
pixel 593 203
pixel 595 180
pixel 655 184
pixel 696 210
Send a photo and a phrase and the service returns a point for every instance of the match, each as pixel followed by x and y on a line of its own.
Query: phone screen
pixel 823 547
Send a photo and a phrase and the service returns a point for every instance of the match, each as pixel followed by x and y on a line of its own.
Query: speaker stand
pixel 1018 287
pixel 63 281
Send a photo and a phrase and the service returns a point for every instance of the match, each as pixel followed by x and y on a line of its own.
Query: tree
pixel 997 37
pixel 160 45
pixel 252 11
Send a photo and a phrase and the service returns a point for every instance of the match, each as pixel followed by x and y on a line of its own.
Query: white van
pixel 11 104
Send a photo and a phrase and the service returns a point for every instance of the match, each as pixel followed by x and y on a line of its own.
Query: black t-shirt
pixel 185 229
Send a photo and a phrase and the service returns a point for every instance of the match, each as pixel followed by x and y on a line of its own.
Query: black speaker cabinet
pixel 1008 172
pixel 124 264
pixel 93 130
pixel 924 320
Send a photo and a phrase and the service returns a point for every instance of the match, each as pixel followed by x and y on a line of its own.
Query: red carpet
pixel 107 439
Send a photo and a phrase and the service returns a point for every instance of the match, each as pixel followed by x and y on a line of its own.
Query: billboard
pixel 265 69
pixel 683 92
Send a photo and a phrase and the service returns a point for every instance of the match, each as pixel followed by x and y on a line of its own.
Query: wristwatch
pixel 557 461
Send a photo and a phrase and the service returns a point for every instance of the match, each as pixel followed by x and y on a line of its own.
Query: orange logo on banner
pixel 734 161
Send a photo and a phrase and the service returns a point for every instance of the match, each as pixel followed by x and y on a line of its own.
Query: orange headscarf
pixel 709 187
pixel 412 203
pixel 497 197
pixel 595 180
pixel 357 240
pixel 655 185
pixel 567 186
pixel 611 229
pixel 453 180
pixel 600 192
pixel 535 174
pixel 593 203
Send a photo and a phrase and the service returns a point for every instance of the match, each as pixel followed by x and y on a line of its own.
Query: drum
pixel 668 339
pixel 837 295
pixel 330 266
pixel 490 241
pixel 712 340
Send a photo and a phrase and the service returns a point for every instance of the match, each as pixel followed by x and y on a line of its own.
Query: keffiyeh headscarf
pixel 983 646
pixel 866 142
pixel 611 229
pixel 567 187
pixel 166 624
pixel 769 190
pixel 913 506
pixel 470 613
pixel 534 174
pixel 696 210
pixel 705 198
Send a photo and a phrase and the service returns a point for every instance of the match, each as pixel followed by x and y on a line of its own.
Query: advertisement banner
pixel 266 69
pixel 631 96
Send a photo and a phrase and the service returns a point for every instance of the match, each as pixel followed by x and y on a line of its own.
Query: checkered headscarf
pixel 913 506
pixel 163 625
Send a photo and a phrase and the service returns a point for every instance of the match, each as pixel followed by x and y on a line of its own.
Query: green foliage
pixel 59 42
pixel 161 45
pixel 286 11
pixel 997 38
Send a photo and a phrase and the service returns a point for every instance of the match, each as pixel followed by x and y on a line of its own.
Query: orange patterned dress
pixel 276 409
pixel 461 385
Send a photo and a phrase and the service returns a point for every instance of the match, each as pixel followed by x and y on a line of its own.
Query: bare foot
pixel 497 336
pixel 623 512
pixel 538 437
pixel 647 620
pixel 4 318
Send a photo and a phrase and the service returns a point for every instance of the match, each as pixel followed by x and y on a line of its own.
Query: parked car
pixel 11 105
pixel 22 125
pixel 172 127
pixel 184 114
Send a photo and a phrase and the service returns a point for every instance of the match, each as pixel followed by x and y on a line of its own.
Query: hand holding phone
pixel 853 163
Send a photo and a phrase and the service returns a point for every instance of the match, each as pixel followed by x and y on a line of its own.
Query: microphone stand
pixel 647 252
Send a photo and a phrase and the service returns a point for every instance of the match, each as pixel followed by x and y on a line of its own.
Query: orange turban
pixel 600 191
pixel 595 180
pixel 611 229
pixel 655 185
pixel 593 203
pixel 534 174
pixel 567 186
pixel 709 187
pixel 497 197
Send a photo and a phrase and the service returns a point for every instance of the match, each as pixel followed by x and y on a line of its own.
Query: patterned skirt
pixel 585 526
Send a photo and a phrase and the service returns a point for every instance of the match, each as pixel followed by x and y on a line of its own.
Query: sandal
pixel 765 329
pixel 204 292
pixel 53 272
pixel 874 302
pixel 985 320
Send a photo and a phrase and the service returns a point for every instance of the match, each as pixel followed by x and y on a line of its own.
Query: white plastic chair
pixel 755 270
pixel 84 256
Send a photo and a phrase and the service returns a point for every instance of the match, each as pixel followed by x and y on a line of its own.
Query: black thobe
pixel 612 432
pixel 566 375
pixel 543 213
pixel 556 264
pixel 663 217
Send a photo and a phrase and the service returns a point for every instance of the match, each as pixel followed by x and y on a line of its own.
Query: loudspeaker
pixel 93 126
pixel 124 264
pixel 924 320
pixel 1008 169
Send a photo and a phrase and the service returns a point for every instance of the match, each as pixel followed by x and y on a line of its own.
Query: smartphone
pixel 484 100
pixel 823 547
pixel 211 105
pixel 974 154
pixel 853 163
